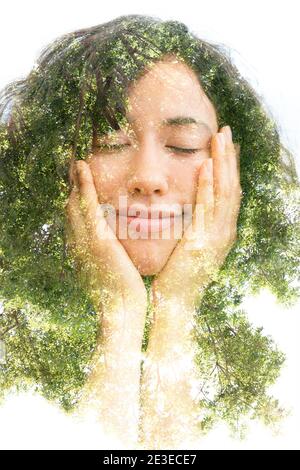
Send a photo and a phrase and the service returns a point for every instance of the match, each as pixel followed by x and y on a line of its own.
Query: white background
pixel 264 39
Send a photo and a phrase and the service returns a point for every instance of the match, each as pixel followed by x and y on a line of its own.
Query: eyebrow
pixel 180 121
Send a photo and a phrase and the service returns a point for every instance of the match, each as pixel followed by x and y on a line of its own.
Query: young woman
pixel 130 232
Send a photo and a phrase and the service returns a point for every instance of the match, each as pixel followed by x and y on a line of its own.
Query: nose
pixel 148 176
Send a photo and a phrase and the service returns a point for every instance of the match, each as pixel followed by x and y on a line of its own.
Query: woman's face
pixel 168 112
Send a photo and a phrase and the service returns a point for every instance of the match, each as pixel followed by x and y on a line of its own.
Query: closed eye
pixel 170 147
pixel 182 150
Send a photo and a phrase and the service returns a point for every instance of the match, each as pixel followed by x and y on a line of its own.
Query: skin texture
pixel 149 172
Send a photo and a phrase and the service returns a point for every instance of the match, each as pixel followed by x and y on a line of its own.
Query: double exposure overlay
pixel 114 296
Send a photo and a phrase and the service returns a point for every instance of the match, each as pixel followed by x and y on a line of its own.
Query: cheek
pixel 185 176
pixel 109 178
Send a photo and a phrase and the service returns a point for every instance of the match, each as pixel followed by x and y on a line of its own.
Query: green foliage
pixel 237 363
pixel 48 323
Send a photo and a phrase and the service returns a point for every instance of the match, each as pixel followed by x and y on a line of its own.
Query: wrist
pixel 172 329
pixel 169 298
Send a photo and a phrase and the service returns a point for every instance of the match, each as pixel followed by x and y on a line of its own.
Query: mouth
pixel 147 225
pixel 144 221
pixel 141 221
pixel 146 213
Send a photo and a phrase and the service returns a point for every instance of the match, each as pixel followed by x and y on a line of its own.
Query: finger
pixel 88 196
pixel 74 214
pixel 205 197
pixel 78 233
pixel 197 233
pixel 229 155
pixel 238 190
pixel 221 176
pixel 79 239
pixel 236 204
pixel 72 172
pixel 233 152
pixel 95 219
pixel 225 179
pixel 94 215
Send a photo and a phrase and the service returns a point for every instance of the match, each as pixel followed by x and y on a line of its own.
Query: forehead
pixel 169 88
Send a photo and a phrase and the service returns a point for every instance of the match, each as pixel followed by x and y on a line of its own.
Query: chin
pixel 148 270
pixel 149 256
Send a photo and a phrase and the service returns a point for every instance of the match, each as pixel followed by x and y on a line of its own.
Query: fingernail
pixel 228 132
pixel 221 142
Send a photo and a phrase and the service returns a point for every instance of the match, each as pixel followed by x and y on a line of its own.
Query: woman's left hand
pixel 212 232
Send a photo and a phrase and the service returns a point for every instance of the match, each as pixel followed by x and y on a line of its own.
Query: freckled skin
pixel 147 171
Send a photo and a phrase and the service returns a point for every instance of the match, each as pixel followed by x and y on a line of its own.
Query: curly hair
pixel 48 324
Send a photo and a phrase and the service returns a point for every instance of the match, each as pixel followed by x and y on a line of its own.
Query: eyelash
pixel 121 146
pixel 182 150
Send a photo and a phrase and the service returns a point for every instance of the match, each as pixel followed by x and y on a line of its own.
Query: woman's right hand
pixel 102 260
pixel 119 295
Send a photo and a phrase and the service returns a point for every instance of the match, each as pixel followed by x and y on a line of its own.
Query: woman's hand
pixel 170 375
pixel 111 392
pixel 101 259
pixel 207 241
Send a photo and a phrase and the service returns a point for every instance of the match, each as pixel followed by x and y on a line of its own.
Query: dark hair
pixel 78 87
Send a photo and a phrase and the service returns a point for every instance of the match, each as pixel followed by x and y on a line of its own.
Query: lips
pixel 145 221
pixel 149 218
pixel 143 212
pixel 139 219
pixel 147 225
